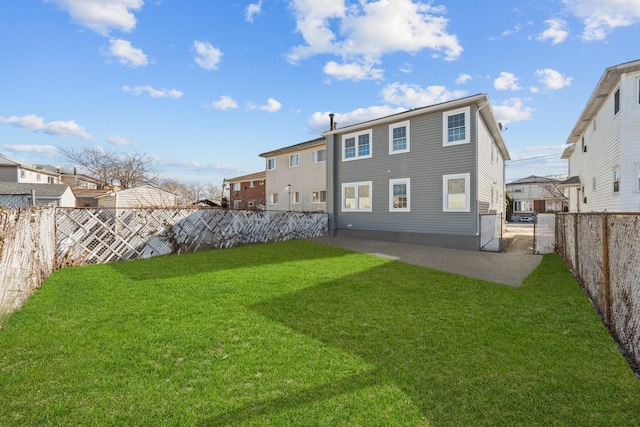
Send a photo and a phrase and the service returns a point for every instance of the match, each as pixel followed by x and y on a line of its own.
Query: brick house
pixel 247 191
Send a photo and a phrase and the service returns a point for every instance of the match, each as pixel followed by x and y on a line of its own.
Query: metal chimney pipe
pixel 331 124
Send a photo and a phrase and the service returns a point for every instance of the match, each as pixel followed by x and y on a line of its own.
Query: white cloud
pixel 463 78
pixel 272 106
pixel 319 121
pixel 353 71
pixel 369 30
pixel 506 81
pixel 411 96
pixel 207 56
pixel 119 140
pixel 512 110
pixel 556 31
pixel 48 150
pixel 37 124
pixel 601 17
pixel 552 79
pixel 126 53
pixel 224 103
pixel 252 10
pixel 153 92
pixel 102 15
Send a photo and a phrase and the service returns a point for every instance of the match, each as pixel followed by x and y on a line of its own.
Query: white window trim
pixel 467 192
pixel 406 181
pixel 616 171
pixel 271 198
pixel 252 184
pixel 274 164
pixel 636 180
pixel 355 135
pixel 467 125
pixel 395 126
pixel 297 156
pixel 357 184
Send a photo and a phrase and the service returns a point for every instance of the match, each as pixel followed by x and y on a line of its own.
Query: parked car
pixel 526 219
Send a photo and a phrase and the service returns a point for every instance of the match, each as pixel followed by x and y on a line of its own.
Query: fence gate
pixel 490 232
pixel 544 234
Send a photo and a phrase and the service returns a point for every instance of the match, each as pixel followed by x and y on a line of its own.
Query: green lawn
pixel 301 334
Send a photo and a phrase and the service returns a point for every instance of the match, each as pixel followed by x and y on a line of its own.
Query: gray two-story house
pixel 423 176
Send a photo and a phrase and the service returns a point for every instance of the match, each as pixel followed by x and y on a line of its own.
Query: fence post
pixel 605 271
pixel 575 246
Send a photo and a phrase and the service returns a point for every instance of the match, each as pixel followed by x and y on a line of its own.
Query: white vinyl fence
pixel 490 232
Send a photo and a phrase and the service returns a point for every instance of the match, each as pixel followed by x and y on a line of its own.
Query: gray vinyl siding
pixel 426 164
pixel 490 172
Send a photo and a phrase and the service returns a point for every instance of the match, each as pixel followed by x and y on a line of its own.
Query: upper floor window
pixel 23 174
pixel 455 192
pixel 236 186
pixel 320 156
pixel 51 180
pixel 356 145
pixel 399 195
pixel 294 160
pixel 271 164
pixel 616 180
pixel 252 184
pixel 38 178
pixel 356 196
pixel 616 101
pixel 456 126
pixel 399 138
pixel 262 182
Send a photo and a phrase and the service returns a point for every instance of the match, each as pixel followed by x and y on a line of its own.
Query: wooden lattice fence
pixel 36 241
pixel 94 236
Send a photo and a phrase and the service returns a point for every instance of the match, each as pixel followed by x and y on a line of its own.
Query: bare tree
pixel 111 167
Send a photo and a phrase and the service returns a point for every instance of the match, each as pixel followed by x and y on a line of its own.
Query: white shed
pixel 143 196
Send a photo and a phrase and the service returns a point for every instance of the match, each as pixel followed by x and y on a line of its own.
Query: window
pixel 273 198
pixel 236 186
pixel 399 195
pixel 237 204
pixel 455 190
pixel 38 178
pixel 523 206
pixel 252 184
pixel 616 102
pixel 319 197
pixel 637 177
pixel 456 127
pixel 51 180
pixel 271 164
pixel 295 197
pixel 356 196
pixel 262 182
pixel 22 174
pixel 616 180
pixel 319 156
pixel 294 160
pixel 356 146
pixel 399 138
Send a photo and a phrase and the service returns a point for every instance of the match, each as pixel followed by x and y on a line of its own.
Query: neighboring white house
pixel 15 171
pixel 604 155
pixel 536 194
pixel 20 195
pixel 143 196
pixel 297 177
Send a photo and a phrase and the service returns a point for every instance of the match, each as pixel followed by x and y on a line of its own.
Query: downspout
pixel 478 168
pixel 332 228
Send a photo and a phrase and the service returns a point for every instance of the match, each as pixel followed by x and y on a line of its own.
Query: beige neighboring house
pixel 20 195
pixel 604 150
pixel 537 194
pixel 143 196
pixel 297 177
pixel 15 171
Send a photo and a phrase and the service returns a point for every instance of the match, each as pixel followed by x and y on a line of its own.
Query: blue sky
pixel 204 87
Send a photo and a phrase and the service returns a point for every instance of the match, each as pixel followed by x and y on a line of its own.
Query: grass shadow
pixel 463 350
